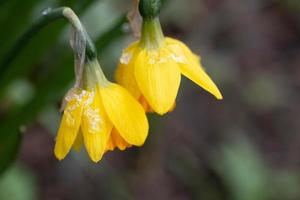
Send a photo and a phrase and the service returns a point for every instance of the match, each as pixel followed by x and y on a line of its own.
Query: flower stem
pixel 152 35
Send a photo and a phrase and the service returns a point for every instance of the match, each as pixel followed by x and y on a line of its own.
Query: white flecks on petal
pixel 92 114
pixel 94 121
pixel 179 58
pixel 70 119
pixel 159 60
pixel 152 61
pixel 125 58
pixel 162 60
pixel 77 97
pixel 90 98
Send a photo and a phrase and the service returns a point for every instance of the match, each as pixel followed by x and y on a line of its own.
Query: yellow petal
pixel 70 124
pixel 78 141
pixel 110 145
pixel 158 77
pixel 195 72
pixel 190 67
pixel 126 114
pixel 125 71
pixel 96 127
pixel 145 104
pixel 116 140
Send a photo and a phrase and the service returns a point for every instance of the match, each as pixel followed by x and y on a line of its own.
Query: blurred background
pixel 245 147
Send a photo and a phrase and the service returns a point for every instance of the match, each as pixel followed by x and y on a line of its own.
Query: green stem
pixel 152 35
pixel 48 15
pixel 91 53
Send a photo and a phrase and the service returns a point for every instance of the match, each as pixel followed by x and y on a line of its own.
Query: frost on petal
pixel 179 58
pixel 128 53
pixel 126 57
pixel 70 123
pixel 95 127
pixel 125 70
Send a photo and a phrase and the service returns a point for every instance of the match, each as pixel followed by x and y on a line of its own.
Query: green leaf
pixel 243 171
pixel 9 145
pixel 17 184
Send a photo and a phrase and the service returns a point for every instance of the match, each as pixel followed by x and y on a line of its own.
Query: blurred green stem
pixel 48 15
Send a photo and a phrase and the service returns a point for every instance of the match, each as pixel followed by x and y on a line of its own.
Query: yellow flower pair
pixel 103 115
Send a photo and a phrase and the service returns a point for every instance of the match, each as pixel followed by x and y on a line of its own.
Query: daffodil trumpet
pixel 151 67
pixel 98 114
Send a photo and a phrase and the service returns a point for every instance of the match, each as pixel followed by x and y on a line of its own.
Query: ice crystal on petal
pixel 94 119
pixel 152 61
pixel 161 60
pixel 125 58
pixel 70 119
pixel 155 60
pixel 179 58
pixel 90 98
pixel 76 95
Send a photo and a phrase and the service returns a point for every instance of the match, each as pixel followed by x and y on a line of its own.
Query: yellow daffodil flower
pixel 151 67
pixel 101 115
